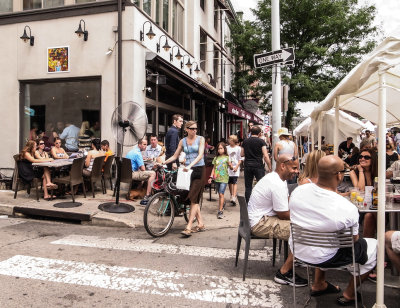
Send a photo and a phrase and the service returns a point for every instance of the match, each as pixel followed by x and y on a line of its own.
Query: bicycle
pixel 162 207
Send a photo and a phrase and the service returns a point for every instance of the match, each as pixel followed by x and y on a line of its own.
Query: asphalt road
pixel 56 264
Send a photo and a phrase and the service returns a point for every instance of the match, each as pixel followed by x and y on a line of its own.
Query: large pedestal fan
pixel 129 124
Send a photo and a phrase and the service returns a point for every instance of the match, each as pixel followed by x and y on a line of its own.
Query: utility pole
pixel 276 74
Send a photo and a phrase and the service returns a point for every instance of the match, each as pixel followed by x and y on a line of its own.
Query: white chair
pixel 339 239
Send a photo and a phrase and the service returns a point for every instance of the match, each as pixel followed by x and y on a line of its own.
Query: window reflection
pixel 6 6
pixel 60 108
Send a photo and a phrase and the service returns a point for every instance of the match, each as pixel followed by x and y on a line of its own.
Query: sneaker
pixel 220 214
pixel 233 201
pixel 287 278
pixel 145 200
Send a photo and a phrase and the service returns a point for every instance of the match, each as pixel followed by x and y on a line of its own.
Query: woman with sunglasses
pixel 365 172
pixel 28 156
pixel 57 151
pixel 193 146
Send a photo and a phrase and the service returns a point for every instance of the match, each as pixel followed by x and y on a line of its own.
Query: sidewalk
pixel 88 213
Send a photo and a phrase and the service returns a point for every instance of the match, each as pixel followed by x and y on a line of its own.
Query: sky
pixel 388 13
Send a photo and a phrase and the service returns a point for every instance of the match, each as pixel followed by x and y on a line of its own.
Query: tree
pixel 329 37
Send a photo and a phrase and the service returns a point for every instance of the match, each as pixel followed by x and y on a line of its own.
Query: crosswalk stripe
pixel 215 289
pixel 151 247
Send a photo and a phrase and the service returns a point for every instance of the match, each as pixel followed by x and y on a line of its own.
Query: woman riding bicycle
pixel 193 146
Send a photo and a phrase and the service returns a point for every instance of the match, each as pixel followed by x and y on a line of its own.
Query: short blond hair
pixel 190 123
pixel 234 138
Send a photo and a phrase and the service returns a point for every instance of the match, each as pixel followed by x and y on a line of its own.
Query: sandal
pixel 187 232
pixel 342 301
pixel 329 289
pixel 200 229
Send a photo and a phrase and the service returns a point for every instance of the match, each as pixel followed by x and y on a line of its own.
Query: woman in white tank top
pixel 284 145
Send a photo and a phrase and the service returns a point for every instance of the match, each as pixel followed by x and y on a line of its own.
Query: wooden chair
pixel 107 173
pixel 244 232
pixel 17 180
pixel 74 178
pixel 96 174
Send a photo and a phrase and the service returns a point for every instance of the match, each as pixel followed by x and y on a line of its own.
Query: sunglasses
pixel 292 159
pixel 192 128
pixel 41 143
pixel 366 157
pixel 341 171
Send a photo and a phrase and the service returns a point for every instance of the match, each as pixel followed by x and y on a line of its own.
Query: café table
pixel 393 209
pixel 57 163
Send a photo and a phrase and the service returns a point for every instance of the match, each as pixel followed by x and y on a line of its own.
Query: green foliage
pixel 329 37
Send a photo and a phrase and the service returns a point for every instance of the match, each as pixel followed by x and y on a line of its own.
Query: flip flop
pixel 328 290
pixel 342 301
pixel 187 232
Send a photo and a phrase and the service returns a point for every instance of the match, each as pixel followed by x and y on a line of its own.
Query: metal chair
pixel 126 173
pixel 17 180
pixel 107 173
pixel 338 239
pixel 75 177
pixel 244 232
pixel 96 174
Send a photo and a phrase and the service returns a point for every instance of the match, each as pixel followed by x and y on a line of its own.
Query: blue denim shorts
pixel 221 187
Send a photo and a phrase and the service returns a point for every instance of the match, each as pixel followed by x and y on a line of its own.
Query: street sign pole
pixel 276 75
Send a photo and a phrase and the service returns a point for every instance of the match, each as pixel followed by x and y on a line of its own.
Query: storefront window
pixel 47 108
pixel 6 6
pixel 165 15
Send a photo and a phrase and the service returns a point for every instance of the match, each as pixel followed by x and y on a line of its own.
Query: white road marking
pixel 151 247
pixel 253 292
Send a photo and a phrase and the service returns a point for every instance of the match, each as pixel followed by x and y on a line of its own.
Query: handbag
pixel 183 180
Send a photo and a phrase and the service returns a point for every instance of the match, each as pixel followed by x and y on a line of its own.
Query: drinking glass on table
pixel 354 193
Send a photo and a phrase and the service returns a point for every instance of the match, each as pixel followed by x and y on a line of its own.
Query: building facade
pixel 53 78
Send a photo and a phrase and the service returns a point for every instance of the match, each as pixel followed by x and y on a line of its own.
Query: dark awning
pixel 241 113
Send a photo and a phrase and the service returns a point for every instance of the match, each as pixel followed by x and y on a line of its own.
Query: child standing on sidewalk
pixel 235 158
pixel 220 174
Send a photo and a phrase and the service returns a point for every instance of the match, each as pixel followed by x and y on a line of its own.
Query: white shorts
pixel 396 242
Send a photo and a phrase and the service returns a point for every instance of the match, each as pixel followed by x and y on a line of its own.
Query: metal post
pixel 380 278
pixel 336 129
pixel 276 74
pixel 320 130
pixel 119 73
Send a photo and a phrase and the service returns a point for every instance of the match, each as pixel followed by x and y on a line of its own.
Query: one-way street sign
pixel 273 57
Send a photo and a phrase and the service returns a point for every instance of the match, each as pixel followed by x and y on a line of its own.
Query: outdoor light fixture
pixel 178 55
pixel 83 32
pixel 149 34
pixel 166 47
pixel 29 37
pixel 188 63
pixel 196 70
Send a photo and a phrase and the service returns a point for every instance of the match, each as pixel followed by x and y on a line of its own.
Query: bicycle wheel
pixel 159 214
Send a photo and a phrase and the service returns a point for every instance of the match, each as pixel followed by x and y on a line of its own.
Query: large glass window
pixel 216 11
pixel 178 22
pixel 147 7
pixel 203 49
pixel 6 6
pixel 49 107
pixel 41 4
pixel 165 15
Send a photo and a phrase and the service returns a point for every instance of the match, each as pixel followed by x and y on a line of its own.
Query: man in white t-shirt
pixel 319 208
pixel 269 212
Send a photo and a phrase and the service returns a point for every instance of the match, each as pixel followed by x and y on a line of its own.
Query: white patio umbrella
pixel 372 89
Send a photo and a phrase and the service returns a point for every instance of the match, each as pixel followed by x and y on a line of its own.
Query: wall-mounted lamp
pixel 83 32
pixel 196 70
pixel 25 37
pixel 188 63
pixel 166 47
pixel 149 34
pixel 178 55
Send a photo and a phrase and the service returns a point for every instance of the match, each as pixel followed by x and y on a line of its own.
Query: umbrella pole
pixel 336 129
pixel 380 274
pixel 320 131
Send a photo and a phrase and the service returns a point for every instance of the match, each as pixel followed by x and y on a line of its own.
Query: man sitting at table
pixel 139 172
pixel 392 243
pixel 269 212
pixel 394 167
pixel 319 208
pixel 105 147
pixel 153 150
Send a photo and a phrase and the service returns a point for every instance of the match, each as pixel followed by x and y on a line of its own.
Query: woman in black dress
pixel 27 172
